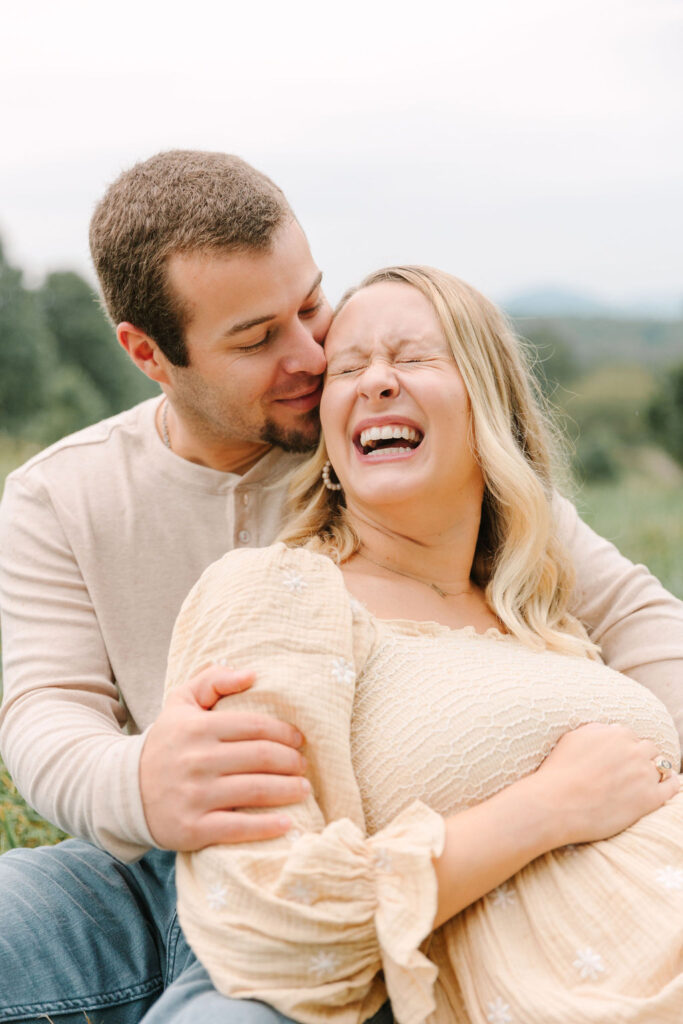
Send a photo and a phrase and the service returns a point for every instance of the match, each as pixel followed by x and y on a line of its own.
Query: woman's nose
pixel 379 380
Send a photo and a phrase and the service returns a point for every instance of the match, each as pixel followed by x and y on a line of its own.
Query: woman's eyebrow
pixel 352 351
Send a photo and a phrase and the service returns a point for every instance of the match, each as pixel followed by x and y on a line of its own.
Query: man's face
pixel 256 323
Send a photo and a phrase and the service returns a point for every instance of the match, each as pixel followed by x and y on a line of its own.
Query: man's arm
pixel 638 624
pixel 61 720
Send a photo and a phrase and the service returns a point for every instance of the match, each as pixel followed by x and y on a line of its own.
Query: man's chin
pixel 303 439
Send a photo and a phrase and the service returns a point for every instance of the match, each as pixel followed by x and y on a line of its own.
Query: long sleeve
pixel 638 624
pixel 306 922
pixel 61 719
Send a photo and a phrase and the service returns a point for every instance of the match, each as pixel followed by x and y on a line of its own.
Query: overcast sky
pixel 515 143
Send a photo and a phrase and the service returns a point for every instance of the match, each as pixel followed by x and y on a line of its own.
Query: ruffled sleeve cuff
pixel 306 922
pixel 407 895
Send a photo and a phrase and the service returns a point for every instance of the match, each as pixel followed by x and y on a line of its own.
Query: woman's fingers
pixel 600 779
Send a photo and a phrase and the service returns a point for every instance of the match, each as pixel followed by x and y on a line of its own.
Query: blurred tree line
pixel 610 411
pixel 61 367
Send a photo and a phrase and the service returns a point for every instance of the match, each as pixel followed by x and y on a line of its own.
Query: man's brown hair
pixel 177 201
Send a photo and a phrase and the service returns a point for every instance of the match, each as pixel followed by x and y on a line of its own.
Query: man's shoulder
pixel 91 447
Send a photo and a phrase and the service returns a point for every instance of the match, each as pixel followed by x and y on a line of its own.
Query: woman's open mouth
pixel 390 439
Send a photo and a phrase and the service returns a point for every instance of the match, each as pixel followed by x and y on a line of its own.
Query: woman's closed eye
pixel 341 371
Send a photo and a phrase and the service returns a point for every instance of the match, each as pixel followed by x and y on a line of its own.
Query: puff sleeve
pixel 307 921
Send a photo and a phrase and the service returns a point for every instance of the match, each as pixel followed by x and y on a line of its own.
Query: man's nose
pixel 304 353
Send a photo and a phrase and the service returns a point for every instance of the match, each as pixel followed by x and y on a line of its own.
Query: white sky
pixel 513 142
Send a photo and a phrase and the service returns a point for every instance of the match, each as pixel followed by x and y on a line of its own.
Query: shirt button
pixel 244 536
pixel 245 499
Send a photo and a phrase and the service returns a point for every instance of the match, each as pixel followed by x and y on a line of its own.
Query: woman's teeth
pixel 389 432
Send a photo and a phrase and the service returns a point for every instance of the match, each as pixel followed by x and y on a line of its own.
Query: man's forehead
pixel 244 288
pixel 197 267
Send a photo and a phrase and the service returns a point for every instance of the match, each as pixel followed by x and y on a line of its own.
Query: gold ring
pixel 664 767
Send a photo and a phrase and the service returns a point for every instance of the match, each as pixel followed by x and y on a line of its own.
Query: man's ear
pixel 144 352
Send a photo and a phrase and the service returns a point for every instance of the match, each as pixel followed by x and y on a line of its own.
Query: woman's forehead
pixel 387 311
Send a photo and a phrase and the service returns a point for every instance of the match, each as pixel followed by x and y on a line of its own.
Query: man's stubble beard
pixel 299 441
pixel 217 423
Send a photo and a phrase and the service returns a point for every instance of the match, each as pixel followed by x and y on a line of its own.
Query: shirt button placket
pixel 244 535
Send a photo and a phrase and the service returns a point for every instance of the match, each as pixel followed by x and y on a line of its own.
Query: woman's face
pixel 394 411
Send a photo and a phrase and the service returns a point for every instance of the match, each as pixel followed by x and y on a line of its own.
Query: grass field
pixel 642 514
pixel 644 518
pixel 19 825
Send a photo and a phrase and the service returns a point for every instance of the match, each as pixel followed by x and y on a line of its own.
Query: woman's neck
pixel 437 554
pixel 420 576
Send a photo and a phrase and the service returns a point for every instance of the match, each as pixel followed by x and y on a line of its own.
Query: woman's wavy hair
pixel 525 571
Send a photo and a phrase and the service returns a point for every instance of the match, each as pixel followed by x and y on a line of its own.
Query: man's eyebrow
pixel 316 284
pixel 244 325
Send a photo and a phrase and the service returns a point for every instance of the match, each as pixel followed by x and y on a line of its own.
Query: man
pixel 216 296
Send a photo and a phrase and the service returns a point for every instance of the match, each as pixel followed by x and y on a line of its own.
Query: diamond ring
pixel 664 767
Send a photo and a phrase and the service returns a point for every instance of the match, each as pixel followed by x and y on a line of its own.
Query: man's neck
pixel 227 457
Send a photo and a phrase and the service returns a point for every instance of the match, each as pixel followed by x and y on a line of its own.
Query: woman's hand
pixel 598 780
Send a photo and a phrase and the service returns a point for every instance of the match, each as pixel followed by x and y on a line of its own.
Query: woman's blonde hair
pixel 519 561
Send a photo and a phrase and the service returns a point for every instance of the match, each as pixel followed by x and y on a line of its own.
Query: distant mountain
pixel 606 340
pixel 551 301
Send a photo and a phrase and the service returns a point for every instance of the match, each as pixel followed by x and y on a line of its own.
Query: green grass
pixel 644 518
pixel 19 825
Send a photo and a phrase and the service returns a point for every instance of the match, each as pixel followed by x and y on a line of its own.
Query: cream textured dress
pixel 406 722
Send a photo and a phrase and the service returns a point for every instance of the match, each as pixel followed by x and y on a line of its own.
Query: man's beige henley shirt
pixel 102 536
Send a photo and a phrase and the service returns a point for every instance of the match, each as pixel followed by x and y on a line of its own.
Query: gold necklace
pixel 408 575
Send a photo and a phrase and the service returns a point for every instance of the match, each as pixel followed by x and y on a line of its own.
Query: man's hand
pixel 199 766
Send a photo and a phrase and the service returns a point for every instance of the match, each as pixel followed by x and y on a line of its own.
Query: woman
pixel 417 631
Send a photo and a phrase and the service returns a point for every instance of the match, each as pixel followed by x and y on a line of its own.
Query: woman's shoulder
pixel 293 568
pixel 289 582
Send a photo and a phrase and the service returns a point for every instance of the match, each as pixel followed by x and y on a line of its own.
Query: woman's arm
pixel 307 921
pixel 597 781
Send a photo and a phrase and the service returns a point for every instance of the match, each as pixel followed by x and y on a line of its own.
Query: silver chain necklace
pixel 164 426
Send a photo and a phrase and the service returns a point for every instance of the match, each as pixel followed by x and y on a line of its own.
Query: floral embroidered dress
pixel 407 722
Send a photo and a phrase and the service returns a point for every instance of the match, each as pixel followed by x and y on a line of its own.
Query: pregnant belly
pixel 453 718
pixel 591 934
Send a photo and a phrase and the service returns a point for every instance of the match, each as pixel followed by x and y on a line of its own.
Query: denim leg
pixel 83 933
pixel 191 998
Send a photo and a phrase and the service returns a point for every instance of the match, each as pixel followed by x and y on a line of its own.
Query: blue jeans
pixel 83 934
